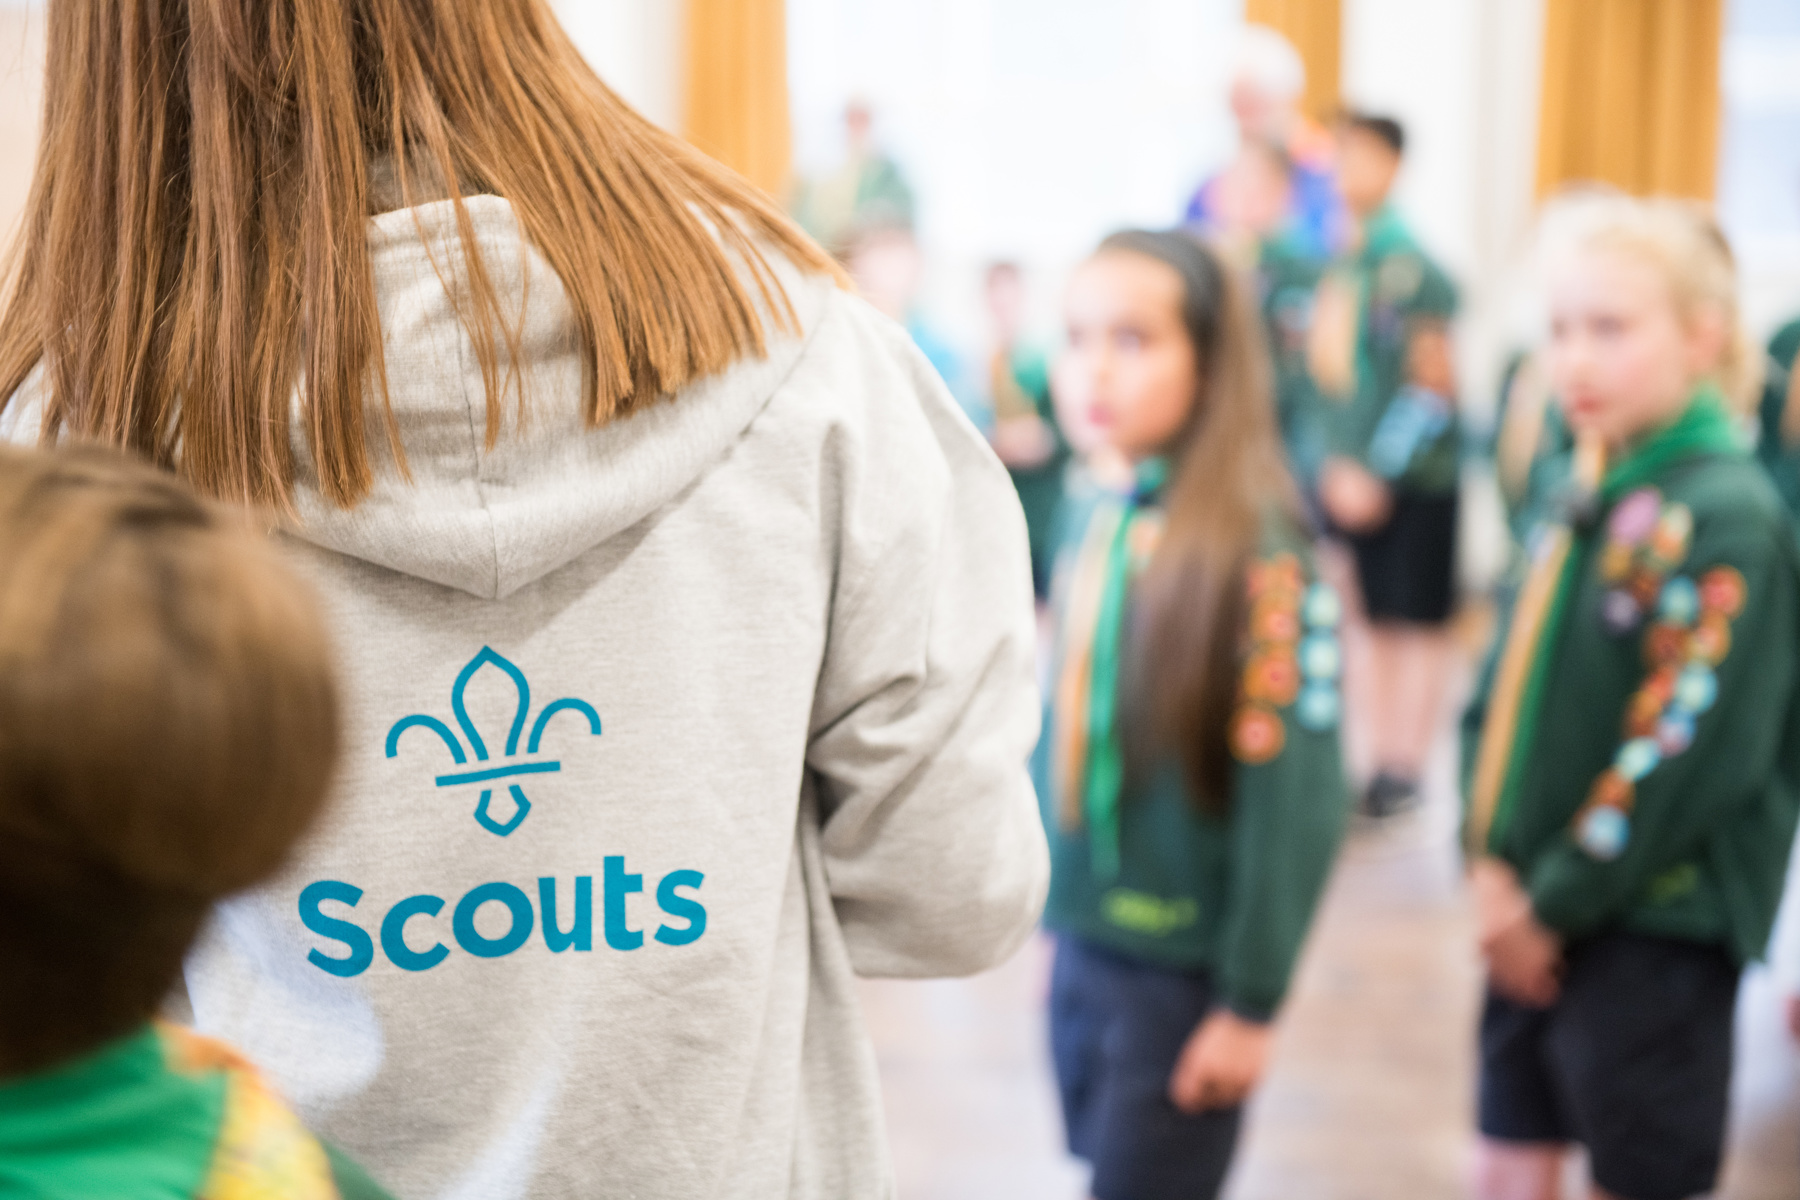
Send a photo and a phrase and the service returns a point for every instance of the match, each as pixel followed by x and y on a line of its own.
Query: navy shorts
pixel 1407 568
pixel 1633 1061
pixel 1116 1027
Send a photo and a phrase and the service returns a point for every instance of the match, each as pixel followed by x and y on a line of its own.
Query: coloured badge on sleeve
pixel 1682 651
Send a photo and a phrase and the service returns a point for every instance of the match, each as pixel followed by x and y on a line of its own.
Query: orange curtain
pixel 735 94
pixel 1631 95
pixel 1316 29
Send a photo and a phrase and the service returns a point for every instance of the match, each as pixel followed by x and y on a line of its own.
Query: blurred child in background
pixel 1634 793
pixel 888 266
pixel 1025 432
pixel 1534 448
pixel 1268 82
pixel 1190 769
pixel 1258 233
pixel 1778 414
pixel 168 728
pixel 1381 358
pixel 866 190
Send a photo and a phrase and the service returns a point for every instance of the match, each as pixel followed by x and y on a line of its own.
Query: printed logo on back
pixel 677 903
pixel 513 766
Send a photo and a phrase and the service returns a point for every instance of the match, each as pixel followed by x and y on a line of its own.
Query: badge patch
pixel 1603 832
pixel 1293 658
pixel 1273 677
pixel 1318 708
pixel 1257 734
pixel 1633 519
pixel 1722 591
pixel 1683 650
pixel 1645 540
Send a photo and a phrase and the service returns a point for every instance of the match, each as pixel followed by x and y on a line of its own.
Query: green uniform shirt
pixel 1398 431
pixel 1234 894
pixel 1040 488
pixel 121 1124
pixel 1784 344
pixel 1286 275
pixel 1716 758
pixel 1779 459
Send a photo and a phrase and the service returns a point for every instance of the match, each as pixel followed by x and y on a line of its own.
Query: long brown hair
pixel 168 729
pixel 194 245
pixel 1229 475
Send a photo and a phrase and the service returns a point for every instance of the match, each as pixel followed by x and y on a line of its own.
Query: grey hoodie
pixel 657 735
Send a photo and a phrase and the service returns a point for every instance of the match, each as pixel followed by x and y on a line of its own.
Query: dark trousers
pixel 1116 1029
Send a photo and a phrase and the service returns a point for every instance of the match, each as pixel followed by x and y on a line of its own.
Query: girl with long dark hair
pixel 1190 771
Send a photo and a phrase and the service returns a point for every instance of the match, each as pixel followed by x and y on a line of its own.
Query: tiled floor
pixel 1369 1096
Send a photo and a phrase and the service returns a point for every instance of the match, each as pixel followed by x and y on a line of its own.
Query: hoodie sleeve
pixel 926 707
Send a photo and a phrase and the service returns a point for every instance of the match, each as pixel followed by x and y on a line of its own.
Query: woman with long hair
pixel 686 626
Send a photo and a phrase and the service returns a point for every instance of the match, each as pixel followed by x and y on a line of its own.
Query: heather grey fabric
pixel 657 735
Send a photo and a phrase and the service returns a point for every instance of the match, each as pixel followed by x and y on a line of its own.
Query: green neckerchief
pixel 1702 428
pixel 1382 233
pixel 1105 756
pixel 117 1122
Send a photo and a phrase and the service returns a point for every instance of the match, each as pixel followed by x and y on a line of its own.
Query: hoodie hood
pixel 488 522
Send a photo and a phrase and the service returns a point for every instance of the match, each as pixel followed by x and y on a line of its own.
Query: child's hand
pixel 1525 963
pixel 1524 959
pixel 1355 499
pixel 1499 898
pixel 1793 1015
pixel 1221 1062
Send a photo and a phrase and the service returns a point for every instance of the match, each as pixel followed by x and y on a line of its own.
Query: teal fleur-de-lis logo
pixel 513 765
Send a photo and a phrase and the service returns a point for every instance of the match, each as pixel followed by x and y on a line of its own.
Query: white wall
pixel 1029 128
pixel 1759 155
pixel 1462 75
pixel 21 99
pixel 635 46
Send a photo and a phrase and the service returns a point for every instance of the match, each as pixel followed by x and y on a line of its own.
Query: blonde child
pixel 1189 771
pixel 1634 793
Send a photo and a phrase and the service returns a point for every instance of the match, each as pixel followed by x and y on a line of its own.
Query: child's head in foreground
pixel 168 728
pixel 1643 312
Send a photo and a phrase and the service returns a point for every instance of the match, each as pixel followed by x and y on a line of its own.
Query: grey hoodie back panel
pixel 657 735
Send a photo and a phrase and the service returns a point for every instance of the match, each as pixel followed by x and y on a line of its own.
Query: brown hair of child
pixel 195 248
pixel 168 729
pixel 1229 475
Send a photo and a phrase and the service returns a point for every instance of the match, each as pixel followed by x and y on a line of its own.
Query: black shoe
pixel 1389 795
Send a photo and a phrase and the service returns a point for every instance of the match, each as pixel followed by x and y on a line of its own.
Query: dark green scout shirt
pixel 1400 432
pixel 1714 808
pixel 1287 273
pixel 1231 895
pixel 1784 344
pixel 121 1124
pixel 1779 458
pixel 1040 488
